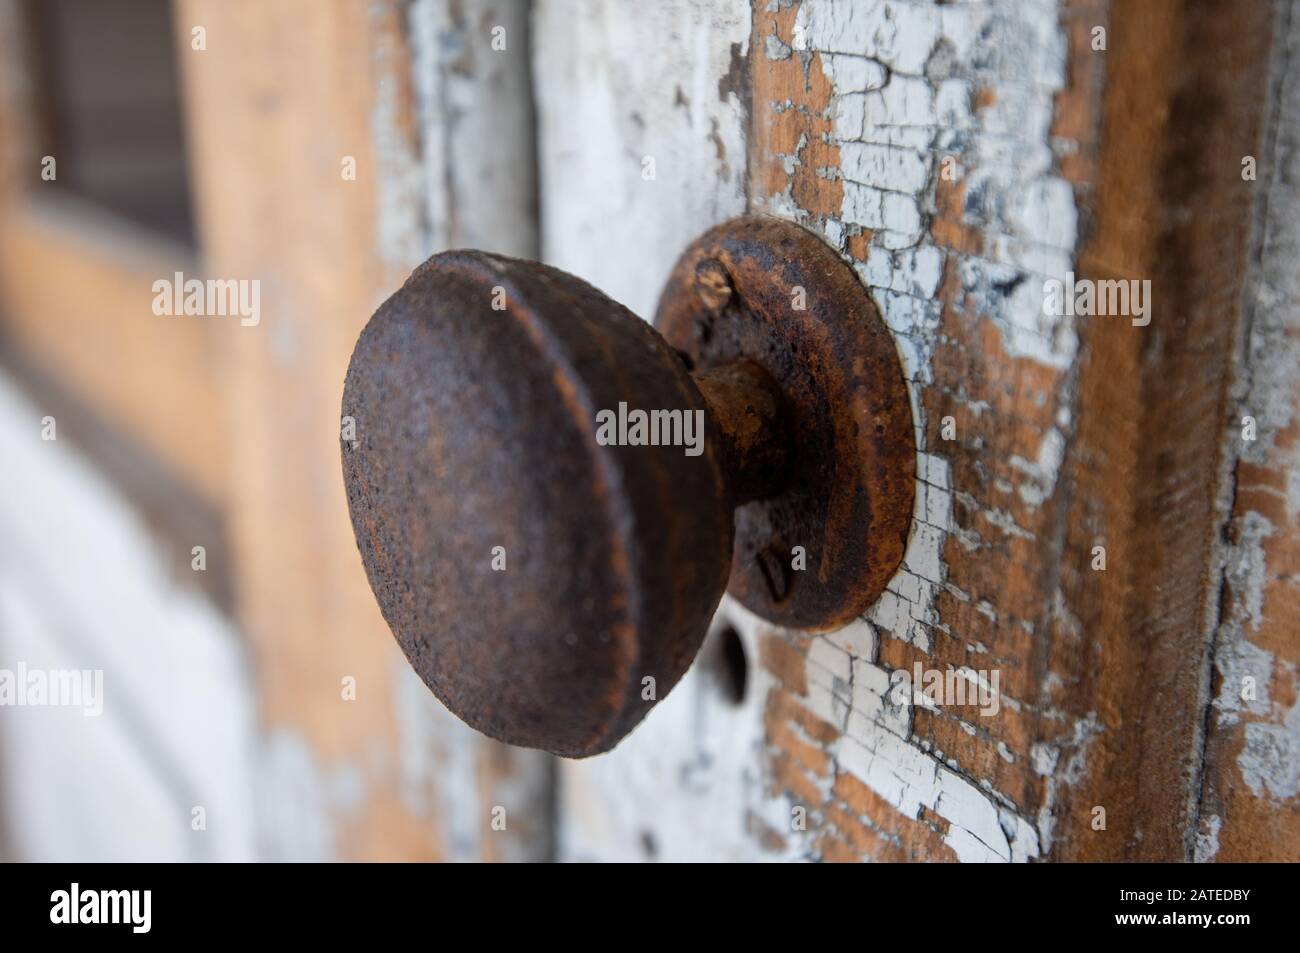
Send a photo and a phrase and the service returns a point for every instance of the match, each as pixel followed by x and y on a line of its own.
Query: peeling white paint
pixel 904 77
pixel 1207 839
pixel 85 585
pixel 685 784
pixel 1041 473
pixel 1068 774
pixel 1238 661
pixel 1270 758
pixel 619 83
pixel 1044 758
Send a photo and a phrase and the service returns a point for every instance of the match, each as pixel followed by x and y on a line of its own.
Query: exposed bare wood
pixel 285 98
pixel 155 376
pixel 1145 463
pixel 1250 800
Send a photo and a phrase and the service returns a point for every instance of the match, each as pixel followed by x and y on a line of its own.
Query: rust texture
pixel 796 310
pixel 754 425
pixel 476 431
pixel 550 587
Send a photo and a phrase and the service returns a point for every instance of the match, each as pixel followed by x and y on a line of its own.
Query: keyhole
pixel 730 665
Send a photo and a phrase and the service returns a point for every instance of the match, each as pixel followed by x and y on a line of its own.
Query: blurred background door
pixel 255 705
pixel 1095 523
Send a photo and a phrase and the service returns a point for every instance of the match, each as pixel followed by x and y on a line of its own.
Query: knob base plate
pixel 817 553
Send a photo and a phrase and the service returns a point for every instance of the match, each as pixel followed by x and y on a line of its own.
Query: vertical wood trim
pixel 641 130
pixel 1249 809
pixel 280 96
pixel 922 141
pixel 1146 462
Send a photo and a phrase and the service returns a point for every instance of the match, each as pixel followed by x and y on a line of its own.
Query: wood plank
pixel 78 295
pixel 1148 462
pixel 1067 432
pixel 620 86
pixel 281 97
pixel 963 156
pixel 1249 807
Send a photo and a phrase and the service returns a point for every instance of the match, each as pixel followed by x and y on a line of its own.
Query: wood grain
pixel 1249 808
pixel 282 94
pixel 1066 434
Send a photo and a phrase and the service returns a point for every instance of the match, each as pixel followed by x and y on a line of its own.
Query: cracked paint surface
pixel 923 149
pixel 918 139
pixel 945 149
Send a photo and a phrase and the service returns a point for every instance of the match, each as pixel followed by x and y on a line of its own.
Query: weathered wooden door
pixel 1077 218
pixel 1106 515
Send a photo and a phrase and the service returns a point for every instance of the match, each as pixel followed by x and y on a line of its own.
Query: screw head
pixel 713 284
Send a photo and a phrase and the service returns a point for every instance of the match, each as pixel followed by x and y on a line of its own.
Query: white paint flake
pixel 904 77
pixel 1270 759
pixel 619 84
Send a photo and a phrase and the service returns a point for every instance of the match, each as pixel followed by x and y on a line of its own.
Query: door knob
pixel 550 496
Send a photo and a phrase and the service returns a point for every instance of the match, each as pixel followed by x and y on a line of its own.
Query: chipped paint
pixel 1251 785
pixel 1270 758
pixel 860 105
pixel 925 101
pixel 1207 839
pixel 619 84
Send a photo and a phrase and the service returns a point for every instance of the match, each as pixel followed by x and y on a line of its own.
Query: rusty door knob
pixel 550 496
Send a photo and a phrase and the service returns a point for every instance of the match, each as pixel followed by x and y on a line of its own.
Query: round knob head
pixel 549 586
